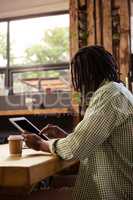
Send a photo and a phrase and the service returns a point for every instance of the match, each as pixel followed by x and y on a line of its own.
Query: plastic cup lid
pixel 15 137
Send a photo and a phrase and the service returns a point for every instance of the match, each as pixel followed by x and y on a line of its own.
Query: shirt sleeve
pixel 51 144
pixel 92 131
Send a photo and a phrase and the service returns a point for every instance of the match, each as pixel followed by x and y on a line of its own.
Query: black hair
pixel 91 66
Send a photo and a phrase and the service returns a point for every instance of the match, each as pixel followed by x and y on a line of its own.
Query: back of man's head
pixel 91 66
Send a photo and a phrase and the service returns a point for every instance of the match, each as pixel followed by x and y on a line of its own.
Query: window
pixel 3 44
pixel 40 81
pixel 34 53
pixel 2 83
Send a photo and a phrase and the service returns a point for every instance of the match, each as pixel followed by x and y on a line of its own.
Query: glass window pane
pixel 2 84
pixel 3 44
pixel 40 81
pixel 40 40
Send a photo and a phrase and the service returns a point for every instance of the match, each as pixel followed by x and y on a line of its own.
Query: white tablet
pixel 24 124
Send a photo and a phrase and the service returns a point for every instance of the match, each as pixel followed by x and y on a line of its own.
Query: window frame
pixel 9 71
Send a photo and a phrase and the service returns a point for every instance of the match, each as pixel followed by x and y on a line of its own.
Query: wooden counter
pixel 47 111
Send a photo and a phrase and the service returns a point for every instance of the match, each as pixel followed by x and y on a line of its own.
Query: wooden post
pixel 124 40
pixel 82 2
pixel 107 25
pixel 91 22
pixel 74 42
pixel 98 22
pixel 74 46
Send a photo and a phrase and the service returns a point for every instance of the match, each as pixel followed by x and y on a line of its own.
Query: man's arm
pixel 91 132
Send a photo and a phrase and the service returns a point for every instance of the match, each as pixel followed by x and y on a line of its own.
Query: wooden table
pixel 19 174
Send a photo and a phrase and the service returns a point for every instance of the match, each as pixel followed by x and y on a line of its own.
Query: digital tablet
pixel 23 124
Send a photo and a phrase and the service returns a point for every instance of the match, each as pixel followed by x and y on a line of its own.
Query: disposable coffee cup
pixel 15 145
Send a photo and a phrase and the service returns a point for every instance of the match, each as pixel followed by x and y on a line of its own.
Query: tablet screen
pixel 24 125
pixel 27 126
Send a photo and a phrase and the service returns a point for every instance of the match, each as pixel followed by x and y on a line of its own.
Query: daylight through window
pixel 32 49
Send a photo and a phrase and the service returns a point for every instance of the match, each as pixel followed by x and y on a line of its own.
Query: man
pixel 103 140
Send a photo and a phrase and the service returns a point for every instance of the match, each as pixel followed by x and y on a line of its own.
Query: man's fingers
pixel 43 130
pixel 46 128
pixel 24 136
pixel 26 132
pixel 28 135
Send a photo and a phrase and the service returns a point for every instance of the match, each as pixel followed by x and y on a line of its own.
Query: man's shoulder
pixel 116 89
pixel 111 87
pixel 113 91
pixel 108 90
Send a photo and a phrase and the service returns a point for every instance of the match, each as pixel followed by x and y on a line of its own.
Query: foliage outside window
pixel 33 43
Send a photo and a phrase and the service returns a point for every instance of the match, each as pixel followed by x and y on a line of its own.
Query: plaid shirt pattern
pixel 103 142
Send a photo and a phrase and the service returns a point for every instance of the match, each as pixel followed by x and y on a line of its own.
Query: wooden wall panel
pixel 74 42
pixel 102 22
pixel 90 22
pixel 99 38
pixel 107 25
pixel 116 30
pixel 82 3
pixel 124 40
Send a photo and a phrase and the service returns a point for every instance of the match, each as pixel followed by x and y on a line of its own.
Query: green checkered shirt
pixel 103 142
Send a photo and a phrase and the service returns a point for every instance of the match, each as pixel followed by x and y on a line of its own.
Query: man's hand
pixel 35 142
pixel 53 131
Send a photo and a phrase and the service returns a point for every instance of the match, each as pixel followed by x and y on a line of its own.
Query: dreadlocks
pixel 91 66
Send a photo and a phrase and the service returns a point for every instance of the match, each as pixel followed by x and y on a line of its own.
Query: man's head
pixel 91 66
